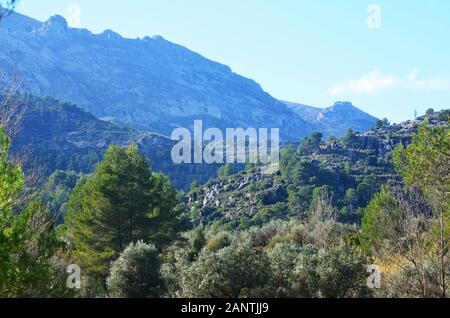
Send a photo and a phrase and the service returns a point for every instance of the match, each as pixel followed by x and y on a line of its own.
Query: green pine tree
pixel 121 203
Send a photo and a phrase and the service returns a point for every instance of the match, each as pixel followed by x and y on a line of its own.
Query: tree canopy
pixel 121 203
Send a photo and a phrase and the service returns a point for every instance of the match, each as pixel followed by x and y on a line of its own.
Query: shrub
pixel 235 271
pixel 136 273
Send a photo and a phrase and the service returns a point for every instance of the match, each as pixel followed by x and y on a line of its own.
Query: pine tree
pixel 121 203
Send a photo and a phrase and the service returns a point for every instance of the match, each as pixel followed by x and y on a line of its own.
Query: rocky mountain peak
pixel 342 105
pixel 336 119
pixel 55 25
pixel 111 35
pixel 57 20
pixel 343 109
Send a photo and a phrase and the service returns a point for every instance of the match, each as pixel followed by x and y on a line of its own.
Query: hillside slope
pixel 61 136
pixel 351 170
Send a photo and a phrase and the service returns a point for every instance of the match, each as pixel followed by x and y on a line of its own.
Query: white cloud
pixel 376 81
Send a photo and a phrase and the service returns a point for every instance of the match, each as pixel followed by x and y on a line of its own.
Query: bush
pixel 218 242
pixel 198 241
pixel 341 272
pixel 305 272
pixel 284 259
pixel 136 273
pixel 235 271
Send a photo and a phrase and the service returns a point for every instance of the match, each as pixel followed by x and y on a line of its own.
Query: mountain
pixel 308 113
pixel 335 120
pixel 60 136
pixel 150 83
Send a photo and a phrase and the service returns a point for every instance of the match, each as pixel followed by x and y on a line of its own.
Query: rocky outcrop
pixel 386 138
pixel 240 195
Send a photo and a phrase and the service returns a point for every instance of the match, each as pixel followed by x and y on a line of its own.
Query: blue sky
pixel 388 59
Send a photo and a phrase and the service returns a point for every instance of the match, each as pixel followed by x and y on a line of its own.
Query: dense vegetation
pixel 311 230
pixel 59 136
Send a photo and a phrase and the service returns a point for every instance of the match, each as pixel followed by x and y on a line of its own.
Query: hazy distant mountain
pixel 308 113
pixel 335 120
pixel 151 83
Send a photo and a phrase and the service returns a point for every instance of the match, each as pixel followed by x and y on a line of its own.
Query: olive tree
pixel 236 271
pixel 136 273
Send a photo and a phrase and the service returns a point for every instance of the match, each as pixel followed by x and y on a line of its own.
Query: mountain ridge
pixel 152 83
pixel 336 119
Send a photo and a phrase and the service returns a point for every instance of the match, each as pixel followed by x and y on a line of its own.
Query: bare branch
pixel 6 7
pixel 12 114
pixel 11 108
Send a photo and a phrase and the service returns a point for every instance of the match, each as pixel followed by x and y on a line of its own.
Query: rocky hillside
pixel 61 136
pixel 336 119
pixel 150 83
pixel 237 196
pixel 351 168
